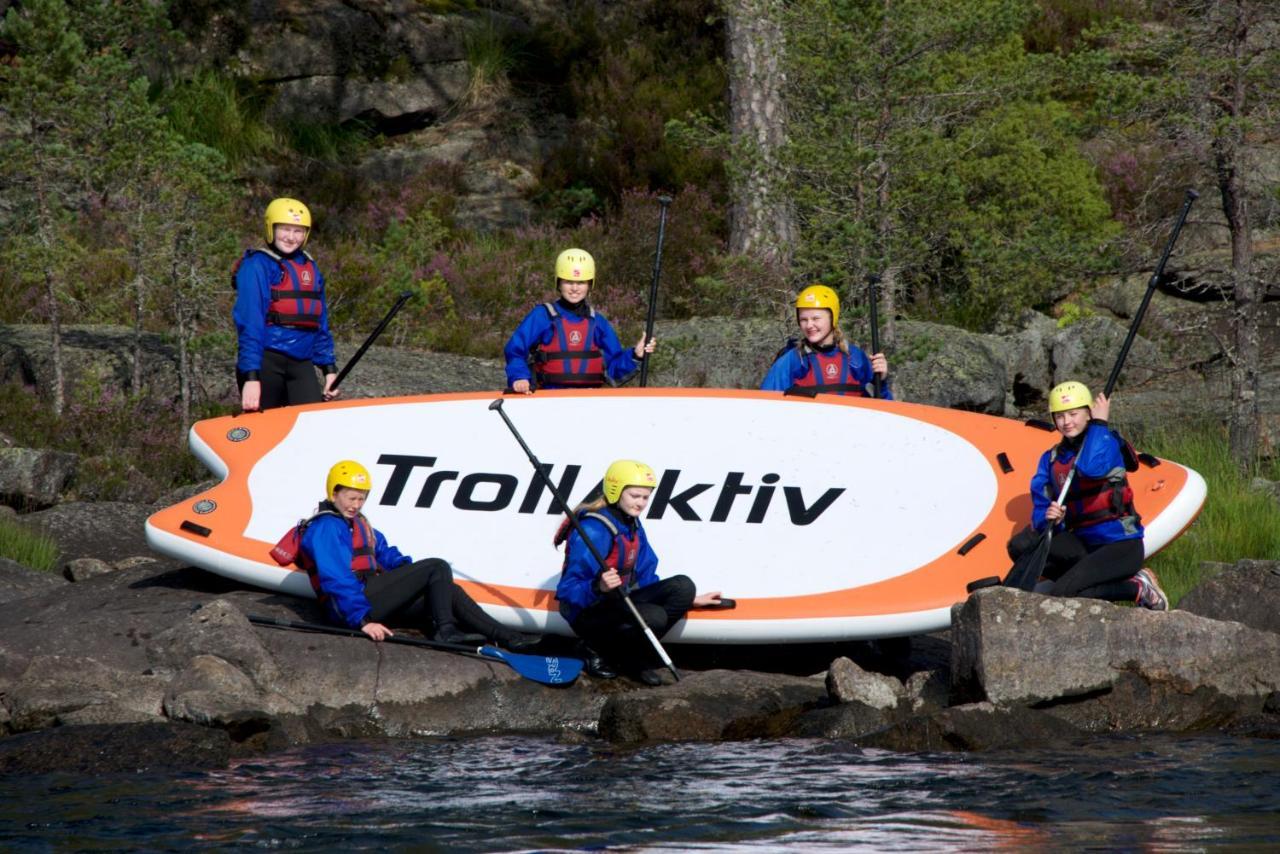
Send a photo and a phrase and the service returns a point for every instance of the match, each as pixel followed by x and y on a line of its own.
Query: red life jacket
pixel 829 373
pixel 295 299
pixel 622 553
pixel 1094 500
pixel 567 359
pixel 363 548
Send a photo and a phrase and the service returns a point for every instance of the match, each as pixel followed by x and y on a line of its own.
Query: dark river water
pixel 1153 793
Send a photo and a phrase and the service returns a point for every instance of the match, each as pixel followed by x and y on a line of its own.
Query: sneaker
pixel 519 641
pixel 651 677
pixel 1150 595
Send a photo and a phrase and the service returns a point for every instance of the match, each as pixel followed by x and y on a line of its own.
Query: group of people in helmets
pixel 283 329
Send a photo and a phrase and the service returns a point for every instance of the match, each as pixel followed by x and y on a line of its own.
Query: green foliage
pixel 1236 522
pixel 326 141
pixel 28 547
pixel 1073 311
pixel 221 113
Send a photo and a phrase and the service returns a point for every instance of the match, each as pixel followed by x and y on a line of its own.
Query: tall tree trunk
pixel 1230 170
pixel 761 219
pixel 44 230
pixel 183 316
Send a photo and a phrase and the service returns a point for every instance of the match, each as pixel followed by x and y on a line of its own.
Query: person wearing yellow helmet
pixel 363 581
pixel 822 361
pixel 1097 546
pixel 587 594
pixel 567 343
pixel 281 317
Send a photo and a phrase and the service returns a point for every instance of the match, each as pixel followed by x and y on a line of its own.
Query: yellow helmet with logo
pixel 820 296
pixel 1069 395
pixel 624 473
pixel 287 212
pixel 575 265
pixel 350 474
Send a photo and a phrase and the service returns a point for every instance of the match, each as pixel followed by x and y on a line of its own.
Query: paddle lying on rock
pixel 1026 570
pixel 547 669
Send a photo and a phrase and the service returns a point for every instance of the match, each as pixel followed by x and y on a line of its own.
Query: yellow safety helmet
pixel 820 296
pixel 350 474
pixel 287 212
pixel 1069 395
pixel 575 265
pixel 624 473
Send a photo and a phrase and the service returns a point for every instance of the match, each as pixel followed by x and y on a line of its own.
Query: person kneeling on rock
pixel 363 581
pixel 590 596
pixel 1097 550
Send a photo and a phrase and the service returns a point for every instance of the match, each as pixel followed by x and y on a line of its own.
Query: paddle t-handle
pixel 496 406
pixel 404 297
pixel 651 314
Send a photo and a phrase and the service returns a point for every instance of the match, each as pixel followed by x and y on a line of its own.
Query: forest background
pixel 982 157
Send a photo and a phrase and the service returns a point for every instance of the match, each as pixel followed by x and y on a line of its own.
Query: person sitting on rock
pixel 590 596
pixel 282 321
pixel 822 361
pixel 569 343
pixel 1097 547
pixel 363 581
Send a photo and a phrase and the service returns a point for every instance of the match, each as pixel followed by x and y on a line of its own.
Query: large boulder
pixel 106 530
pixel 944 366
pixel 1014 648
pixel 18 581
pixel 35 477
pixel 973 726
pixel 1248 592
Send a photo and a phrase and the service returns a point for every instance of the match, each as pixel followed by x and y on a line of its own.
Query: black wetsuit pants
pixel 286 381
pixel 1089 572
pixel 609 627
pixel 431 580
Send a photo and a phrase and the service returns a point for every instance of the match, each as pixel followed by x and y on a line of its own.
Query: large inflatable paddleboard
pixel 828 518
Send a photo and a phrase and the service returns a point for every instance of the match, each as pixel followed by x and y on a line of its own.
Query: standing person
pixel 363 581
pixel 589 598
pixel 282 322
pixel 1097 549
pixel 569 343
pixel 823 360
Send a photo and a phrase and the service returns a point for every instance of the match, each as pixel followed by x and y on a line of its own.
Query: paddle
pixel 1026 570
pixel 872 281
pixel 373 336
pixel 547 669
pixel 496 406
pixel 664 202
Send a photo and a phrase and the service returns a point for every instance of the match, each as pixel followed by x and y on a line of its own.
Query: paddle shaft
pixel 873 311
pixel 664 202
pixel 577 526
pixel 323 628
pixel 373 336
pixel 1191 196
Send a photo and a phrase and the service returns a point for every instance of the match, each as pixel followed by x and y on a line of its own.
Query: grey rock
pixel 84 568
pixel 106 530
pixel 1029 360
pixel 18 581
pixel 851 720
pixel 213 692
pixel 36 477
pixel 944 366
pixel 1136 702
pixel 1247 592
pixel 927 690
pixel 58 690
pixel 1266 487
pixel 848 683
pixel 972 727
pixel 216 628
pixel 115 748
pixel 1086 351
pixel 1008 649
pixel 716 352
pixel 334 99
pixel 134 562
pixel 711 706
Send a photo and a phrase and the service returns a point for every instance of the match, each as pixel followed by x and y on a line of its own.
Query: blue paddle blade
pixel 547 669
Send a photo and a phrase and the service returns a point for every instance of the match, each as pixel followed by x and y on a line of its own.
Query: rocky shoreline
pixel 141 662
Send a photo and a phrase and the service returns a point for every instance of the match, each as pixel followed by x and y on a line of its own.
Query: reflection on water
pixel 520 793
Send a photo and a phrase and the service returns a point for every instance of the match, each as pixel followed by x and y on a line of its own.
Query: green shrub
pixel 222 113
pixel 29 548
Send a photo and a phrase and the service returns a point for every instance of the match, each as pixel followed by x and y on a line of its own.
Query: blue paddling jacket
pixel 1100 489
pixel 327 543
pixel 258 273
pixel 577 589
pixel 804 365
pixel 540 329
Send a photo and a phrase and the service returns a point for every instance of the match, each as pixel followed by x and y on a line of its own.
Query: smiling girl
pixel 823 361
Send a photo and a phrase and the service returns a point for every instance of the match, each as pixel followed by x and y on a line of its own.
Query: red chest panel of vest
pixel 296 299
pixel 1092 501
pixel 569 359
pixel 830 372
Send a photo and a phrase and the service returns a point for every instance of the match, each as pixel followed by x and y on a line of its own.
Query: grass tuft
pixel 29 548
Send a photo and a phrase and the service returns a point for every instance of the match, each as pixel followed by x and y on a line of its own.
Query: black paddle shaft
pixel 1191 196
pixel 496 406
pixel 664 202
pixel 373 336
pixel 872 281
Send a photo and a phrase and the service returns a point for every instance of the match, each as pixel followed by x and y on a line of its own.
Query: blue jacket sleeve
pixel 860 365
pixel 254 279
pixel 619 361
pixel 784 372
pixel 387 555
pixel 577 582
pixel 328 541
pixel 532 331
pixel 322 350
pixel 1099 452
